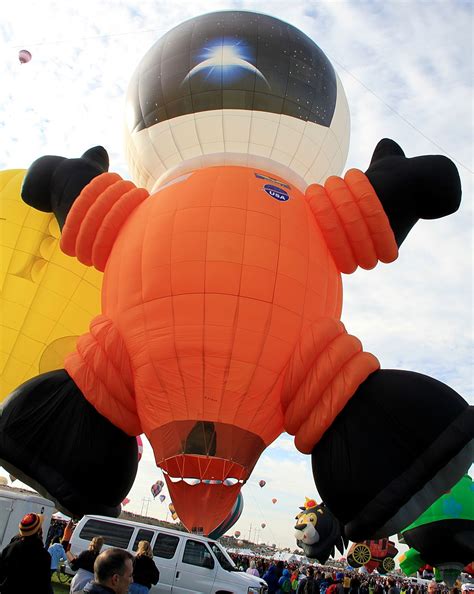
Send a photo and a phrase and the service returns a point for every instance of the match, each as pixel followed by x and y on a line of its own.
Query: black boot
pixel 53 183
pixel 401 441
pixel 54 440
pixel 425 187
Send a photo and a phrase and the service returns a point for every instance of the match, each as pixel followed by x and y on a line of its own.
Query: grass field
pixel 59 588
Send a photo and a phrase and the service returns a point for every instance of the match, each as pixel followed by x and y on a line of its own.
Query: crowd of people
pixel 284 577
pixel 26 566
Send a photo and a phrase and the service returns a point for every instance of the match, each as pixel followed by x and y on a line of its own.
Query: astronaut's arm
pixel 365 217
pixel 89 203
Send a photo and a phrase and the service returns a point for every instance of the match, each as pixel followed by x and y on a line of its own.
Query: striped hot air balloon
pixel 231 519
pixel 156 488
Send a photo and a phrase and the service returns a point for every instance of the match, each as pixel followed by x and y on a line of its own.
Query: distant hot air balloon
pixel 263 524
pixel 126 501
pixel 274 500
pixel 24 56
pixel 262 483
pixel 162 498
pixel 174 515
pixel 237 533
pixel 231 519
pixel 140 447
pixel 156 488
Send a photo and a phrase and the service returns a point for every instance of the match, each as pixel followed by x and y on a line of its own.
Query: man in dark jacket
pixel 25 563
pixel 308 585
pixel 113 573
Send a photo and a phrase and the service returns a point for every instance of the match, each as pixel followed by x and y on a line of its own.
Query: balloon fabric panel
pixel 220 284
pixel 209 284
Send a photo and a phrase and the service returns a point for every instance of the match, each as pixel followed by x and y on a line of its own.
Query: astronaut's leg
pixel 54 440
pixel 401 441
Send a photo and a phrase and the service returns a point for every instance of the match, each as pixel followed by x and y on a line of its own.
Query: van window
pixel 115 535
pixel 142 535
pixel 196 552
pixel 223 560
pixel 165 545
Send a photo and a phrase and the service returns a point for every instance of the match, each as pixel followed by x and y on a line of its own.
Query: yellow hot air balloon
pixel 46 298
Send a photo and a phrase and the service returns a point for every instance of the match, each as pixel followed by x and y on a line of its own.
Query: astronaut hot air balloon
pixel 221 298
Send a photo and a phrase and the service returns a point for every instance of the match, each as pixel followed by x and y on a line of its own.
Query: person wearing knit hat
pixel 30 524
pixel 25 563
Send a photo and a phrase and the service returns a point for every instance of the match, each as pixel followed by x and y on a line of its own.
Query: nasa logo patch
pixel 277 193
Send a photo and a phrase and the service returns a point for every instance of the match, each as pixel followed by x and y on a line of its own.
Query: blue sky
pixel 406 68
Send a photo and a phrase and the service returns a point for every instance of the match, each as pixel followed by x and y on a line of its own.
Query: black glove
pixel 53 183
pixel 426 187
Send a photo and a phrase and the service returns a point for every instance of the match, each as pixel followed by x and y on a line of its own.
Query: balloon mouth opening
pixel 205 450
pixel 194 481
pixel 195 469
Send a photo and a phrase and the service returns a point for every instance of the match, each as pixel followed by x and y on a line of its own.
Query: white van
pixel 188 564
pixel 13 506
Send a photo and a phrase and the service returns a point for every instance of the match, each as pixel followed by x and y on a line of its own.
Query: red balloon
pixel 24 56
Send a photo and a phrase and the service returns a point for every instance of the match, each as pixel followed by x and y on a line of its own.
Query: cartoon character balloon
pixel 221 300
pixel 318 532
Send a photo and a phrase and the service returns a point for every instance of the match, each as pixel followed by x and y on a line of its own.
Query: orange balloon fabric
pixel 210 287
